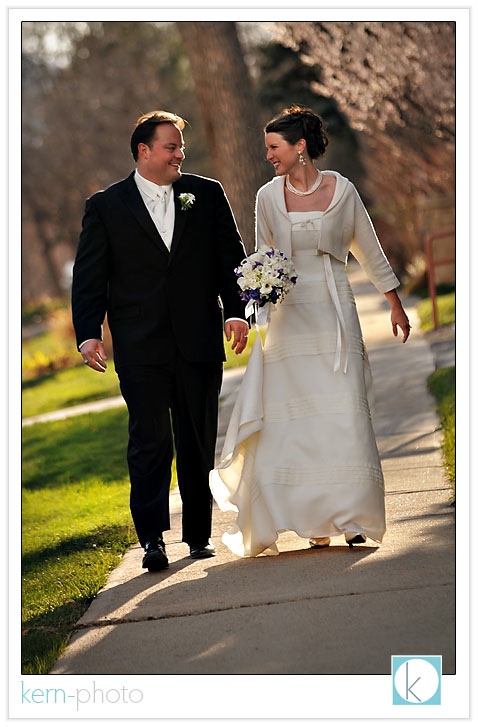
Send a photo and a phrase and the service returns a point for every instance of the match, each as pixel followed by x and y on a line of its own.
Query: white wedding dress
pixel 300 453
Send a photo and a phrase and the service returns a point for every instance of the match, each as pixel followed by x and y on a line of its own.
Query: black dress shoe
pixel 357 539
pixel 202 551
pixel 155 556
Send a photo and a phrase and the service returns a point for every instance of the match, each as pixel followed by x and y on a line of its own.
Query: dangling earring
pixel 301 159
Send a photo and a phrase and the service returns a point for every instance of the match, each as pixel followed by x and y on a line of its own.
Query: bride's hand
pixel 398 316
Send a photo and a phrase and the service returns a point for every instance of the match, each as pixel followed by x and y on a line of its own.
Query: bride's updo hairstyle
pixel 299 122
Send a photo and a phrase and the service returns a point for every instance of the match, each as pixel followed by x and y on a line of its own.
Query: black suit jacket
pixel 150 295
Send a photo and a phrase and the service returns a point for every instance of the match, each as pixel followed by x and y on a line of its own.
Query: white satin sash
pixel 341 331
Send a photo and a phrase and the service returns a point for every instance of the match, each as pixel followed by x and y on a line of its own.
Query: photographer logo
pixel 416 680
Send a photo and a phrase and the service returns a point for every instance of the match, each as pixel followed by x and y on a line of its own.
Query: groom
pixel 157 254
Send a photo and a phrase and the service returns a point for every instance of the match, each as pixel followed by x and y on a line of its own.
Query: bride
pixel 300 452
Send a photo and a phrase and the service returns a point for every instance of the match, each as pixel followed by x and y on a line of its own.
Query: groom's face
pixel 160 161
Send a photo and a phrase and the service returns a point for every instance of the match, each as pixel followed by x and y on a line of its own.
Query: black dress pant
pixel 172 407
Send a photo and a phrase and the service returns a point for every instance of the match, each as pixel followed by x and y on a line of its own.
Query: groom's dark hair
pixel 145 128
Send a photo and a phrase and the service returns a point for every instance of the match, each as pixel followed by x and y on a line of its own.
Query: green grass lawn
pixel 442 382
pixel 445 311
pixel 442 385
pixel 76 525
pixel 67 387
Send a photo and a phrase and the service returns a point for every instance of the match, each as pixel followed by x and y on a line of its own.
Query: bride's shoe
pixel 319 542
pixel 354 539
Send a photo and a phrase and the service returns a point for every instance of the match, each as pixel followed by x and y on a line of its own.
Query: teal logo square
pixel 416 680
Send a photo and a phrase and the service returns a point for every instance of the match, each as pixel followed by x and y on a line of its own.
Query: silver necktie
pixel 159 210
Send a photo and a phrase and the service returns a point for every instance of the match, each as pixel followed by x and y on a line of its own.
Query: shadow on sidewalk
pixel 302 612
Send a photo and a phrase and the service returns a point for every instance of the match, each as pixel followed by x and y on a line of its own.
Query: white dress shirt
pixel 152 195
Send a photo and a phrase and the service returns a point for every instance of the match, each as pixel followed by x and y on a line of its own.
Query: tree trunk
pixel 230 112
pixel 46 246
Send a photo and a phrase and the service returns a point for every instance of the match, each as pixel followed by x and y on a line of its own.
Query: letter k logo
pixel 416 679
pixel 409 688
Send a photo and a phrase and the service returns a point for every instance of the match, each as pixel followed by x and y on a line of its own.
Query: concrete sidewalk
pixel 332 611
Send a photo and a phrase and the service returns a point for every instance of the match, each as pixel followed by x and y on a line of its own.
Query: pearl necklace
pixel 315 185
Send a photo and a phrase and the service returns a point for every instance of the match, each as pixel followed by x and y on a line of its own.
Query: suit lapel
pixel 133 200
pixel 179 218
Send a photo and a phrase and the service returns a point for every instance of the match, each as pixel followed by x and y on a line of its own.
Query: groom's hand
pixel 238 331
pixel 94 354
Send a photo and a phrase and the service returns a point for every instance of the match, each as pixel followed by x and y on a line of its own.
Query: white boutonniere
pixel 187 200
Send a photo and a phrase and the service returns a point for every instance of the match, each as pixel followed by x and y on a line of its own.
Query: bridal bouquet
pixel 265 276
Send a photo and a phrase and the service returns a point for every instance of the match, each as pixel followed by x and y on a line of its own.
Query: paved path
pixel 331 612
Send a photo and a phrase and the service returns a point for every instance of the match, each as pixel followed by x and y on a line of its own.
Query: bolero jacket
pixel 344 227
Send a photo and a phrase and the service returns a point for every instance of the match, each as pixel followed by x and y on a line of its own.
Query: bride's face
pixel 282 155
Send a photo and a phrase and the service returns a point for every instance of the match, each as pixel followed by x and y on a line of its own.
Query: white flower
pixel 265 276
pixel 187 200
